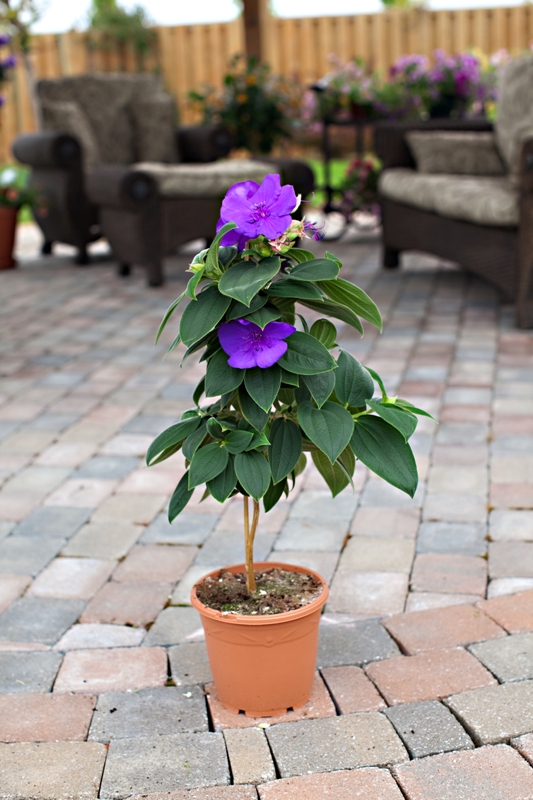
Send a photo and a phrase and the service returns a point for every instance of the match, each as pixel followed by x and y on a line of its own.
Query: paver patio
pixel 425 662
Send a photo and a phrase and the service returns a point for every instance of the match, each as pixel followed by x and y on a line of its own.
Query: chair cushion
pixel 154 122
pixel 455 153
pixel 483 200
pixel 67 116
pixel 514 122
pixel 204 180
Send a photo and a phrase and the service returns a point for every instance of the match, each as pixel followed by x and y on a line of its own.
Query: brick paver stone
pixel 127 603
pixel 451 537
pixel 28 672
pixel 343 640
pixel 103 540
pixel 351 690
pixel 155 562
pixel 511 559
pixel 38 619
pixel 32 717
pixel 149 712
pixel 368 594
pixel 189 664
pixel 365 784
pixel 428 676
pixel 19 556
pixel 441 627
pixel 319 705
pixel 378 554
pixel 249 756
pixel 401 522
pixel 437 572
pixel 174 626
pixel 118 669
pixel 60 522
pixel 186 529
pixel 72 578
pixel 327 745
pixel 94 634
pixel 428 728
pixel 491 773
pixel 213 793
pixel 510 659
pixel 513 612
pixel 496 713
pixel 137 508
pixel 524 745
pixel 505 525
pixel 11 587
pixel 51 770
pixel 164 763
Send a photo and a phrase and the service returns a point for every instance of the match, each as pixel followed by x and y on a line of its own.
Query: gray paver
pixel 186 529
pixel 510 559
pixel 148 424
pixel 59 522
pixel 164 763
pixel 509 659
pixel 189 664
pixel 334 743
pixel 174 625
pixel 39 619
pixel 5 529
pixel 495 713
pixel 451 537
pixel 249 756
pixel 320 506
pixel 24 557
pixel 28 672
pixel 428 728
pixel 346 641
pixel 149 712
pixel 107 467
pixel 506 525
pixel 227 547
pixel 309 534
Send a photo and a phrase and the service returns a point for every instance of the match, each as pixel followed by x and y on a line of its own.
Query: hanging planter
pixel 8 227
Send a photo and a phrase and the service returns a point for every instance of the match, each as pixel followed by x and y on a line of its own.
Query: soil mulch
pixel 278 591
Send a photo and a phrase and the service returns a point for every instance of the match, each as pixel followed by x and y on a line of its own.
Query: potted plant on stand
pixel 284 392
pixel 14 194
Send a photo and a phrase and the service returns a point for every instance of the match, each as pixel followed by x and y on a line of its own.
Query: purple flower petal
pixel 243 359
pixel 250 346
pixel 271 353
pixel 279 330
pixel 234 335
pixel 285 202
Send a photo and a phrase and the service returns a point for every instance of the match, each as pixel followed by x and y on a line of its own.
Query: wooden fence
pixel 190 56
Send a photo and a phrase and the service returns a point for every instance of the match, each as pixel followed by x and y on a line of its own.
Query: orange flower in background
pixel 242 97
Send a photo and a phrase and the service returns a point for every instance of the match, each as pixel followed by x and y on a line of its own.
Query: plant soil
pixel 278 591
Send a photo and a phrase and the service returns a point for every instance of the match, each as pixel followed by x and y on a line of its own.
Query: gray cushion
pixel 515 111
pixel 483 200
pixel 455 153
pixel 154 121
pixel 205 180
pixel 67 116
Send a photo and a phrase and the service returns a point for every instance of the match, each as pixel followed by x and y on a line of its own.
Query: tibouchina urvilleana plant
pixel 278 388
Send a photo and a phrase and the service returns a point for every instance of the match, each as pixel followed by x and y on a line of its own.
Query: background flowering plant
pixel 6 64
pixel 361 181
pixel 282 388
pixel 14 189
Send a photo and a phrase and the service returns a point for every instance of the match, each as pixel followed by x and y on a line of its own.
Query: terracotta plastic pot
pixel 263 665
pixel 8 225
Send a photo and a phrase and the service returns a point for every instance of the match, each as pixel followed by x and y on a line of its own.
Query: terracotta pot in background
pixel 8 225
pixel 263 665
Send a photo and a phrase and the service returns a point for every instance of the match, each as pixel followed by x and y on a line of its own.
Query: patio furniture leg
pixel 390 258
pixel 155 273
pixel 82 259
pixel 124 270
pixel 46 249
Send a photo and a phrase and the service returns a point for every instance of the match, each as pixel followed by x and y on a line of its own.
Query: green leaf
pixel 222 486
pixel 403 421
pixel 285 448
pixel 383 450
pixel 238 441
pixel 296 290
pixel 175 342
pixel 220 377
pixel 344 292
pixel 193 442
pixel 320 269
pixel 325 331
pixel 320 386
pixel 253 473
pixel 201 316
pixel 166 453
pixel 289 378
pixel 273 494
pixel 205 340
pixel 226 255
pixel 207 463
pixel 329 427
pixel 190 291
pixel 181 496
pixel 260 440
pixel 333 258
pixel 198 392
pixel 211 262
pixel 306 355
pixel 264 315
pixel 239 310
pixel 168 313
pixel 253 413
pixel 337 311
pixel 245 279
pixel 263 385
pixel 335 476
pixel 353 384
pixel 406 406
pixel 170 437
pixel 214 428
pixel 300 255
pixel 378 381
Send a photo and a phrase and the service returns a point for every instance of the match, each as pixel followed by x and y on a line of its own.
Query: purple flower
pixel 257 210
pixel 5 38
pixel 249 346
pixel 9 62
pixel 312 231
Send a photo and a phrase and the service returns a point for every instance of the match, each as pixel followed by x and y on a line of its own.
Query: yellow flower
pixel 251 80
pixel 242 97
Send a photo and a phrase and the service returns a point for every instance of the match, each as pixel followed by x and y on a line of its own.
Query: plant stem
pixel 249 535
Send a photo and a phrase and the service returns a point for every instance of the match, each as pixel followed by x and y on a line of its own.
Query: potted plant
pixel 282 392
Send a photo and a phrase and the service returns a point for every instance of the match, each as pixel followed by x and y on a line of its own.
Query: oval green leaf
pixel 170 437
pixel 202 314
pixel 207 463
pixel 329 427
pixel 263 385
pixel 353 384
pixel 384 451
pixel 245 279
pixel 220 378
pixel 253 473
pixel 306 355
pixel 285 448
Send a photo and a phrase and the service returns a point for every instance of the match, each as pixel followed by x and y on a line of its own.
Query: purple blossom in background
pixel 249 346
pixel 9 62
pixel 258 210
pixel 5 38
pixel 2 100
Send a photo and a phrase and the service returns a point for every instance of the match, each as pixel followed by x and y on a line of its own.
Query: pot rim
pixel 247 619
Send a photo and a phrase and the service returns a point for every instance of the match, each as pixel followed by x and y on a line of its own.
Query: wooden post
pixel 255 19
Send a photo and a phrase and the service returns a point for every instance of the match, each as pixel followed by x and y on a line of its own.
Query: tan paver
pixel 103 540
pixel 137 508
pixel 352 690
pixel 72 577
pixel 249 756
pixel 166 563
pixel 28 717
pixel 367 784
pixel 131 603
pixel 213 793
pixel 115 670
pixel 11 587
pixel 385 522
pixel 449 573
pixel 81 492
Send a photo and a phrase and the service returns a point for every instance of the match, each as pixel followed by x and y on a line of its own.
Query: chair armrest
pixel 391 146
pixel 48 149
pixel 120 186
pixel 203 143
pixel 526 165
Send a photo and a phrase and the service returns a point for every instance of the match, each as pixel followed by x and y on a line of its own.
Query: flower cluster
pixel 6 64
pixel 15 192
pixel 361 183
